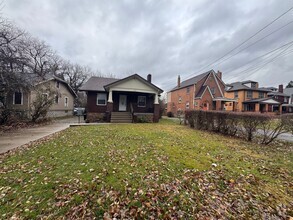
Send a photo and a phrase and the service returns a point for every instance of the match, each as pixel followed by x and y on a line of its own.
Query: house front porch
pixel 128 107
pixel 265 105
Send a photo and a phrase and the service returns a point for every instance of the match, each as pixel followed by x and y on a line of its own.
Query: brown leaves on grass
pixel 202 195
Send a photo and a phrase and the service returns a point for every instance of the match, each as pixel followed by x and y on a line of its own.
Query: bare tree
pixel 44 99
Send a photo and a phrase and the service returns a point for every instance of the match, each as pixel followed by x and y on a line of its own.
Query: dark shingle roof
pixel 97 83
pixel 277 94
pixel 192 80
pixel 240 86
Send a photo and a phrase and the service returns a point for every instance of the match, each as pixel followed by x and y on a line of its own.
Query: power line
pixel 272 51
pixel 272 60
pixel 247 41
pixel 256 42
pixel 248 38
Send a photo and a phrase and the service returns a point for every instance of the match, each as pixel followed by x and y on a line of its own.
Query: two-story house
pixel 252 98
pixel 21 101
pixel 202 92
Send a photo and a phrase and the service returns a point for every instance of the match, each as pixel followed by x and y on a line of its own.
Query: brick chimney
pixel 219 74
pixel 281 88
pixel 149 78
pixel 178 81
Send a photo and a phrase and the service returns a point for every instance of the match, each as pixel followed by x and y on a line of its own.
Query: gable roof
pixel 240 86
pixel 102 84
pixel 192 80
pixel 134 76
pixel 59 80
pixel 97 84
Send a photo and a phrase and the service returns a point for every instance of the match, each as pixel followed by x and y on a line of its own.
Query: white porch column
pixel 110 99
pixel 156 98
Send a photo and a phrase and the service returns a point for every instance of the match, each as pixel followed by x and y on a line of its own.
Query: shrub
pixel 246 125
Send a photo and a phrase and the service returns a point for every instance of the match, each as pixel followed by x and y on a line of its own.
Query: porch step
pixel 121 117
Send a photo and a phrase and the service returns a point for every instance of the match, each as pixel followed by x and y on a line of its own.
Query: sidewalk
pixel 11 140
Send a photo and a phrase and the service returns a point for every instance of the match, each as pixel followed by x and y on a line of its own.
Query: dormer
pixel 251 84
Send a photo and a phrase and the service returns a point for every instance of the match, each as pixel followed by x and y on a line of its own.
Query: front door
pixel 122 102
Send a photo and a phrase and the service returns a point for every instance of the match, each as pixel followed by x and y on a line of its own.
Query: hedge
pixel 246 125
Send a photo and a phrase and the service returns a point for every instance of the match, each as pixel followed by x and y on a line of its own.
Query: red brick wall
pixel 174 105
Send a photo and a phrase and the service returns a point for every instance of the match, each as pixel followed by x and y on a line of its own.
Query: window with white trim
pixel 195 103
pixel 66 101
pixel 141 101
pixel 101 99
pixel 187 105
pixel 179 99
pixel 17 98
pixel 235 94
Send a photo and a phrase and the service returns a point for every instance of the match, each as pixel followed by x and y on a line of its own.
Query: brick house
pixel 204 91
pixel 251 98
pixel 130 99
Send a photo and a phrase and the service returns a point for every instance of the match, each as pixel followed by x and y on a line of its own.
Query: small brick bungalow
pixel 130 99
pixel 202 92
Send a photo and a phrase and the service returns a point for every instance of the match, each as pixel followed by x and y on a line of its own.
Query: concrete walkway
pixel 11 140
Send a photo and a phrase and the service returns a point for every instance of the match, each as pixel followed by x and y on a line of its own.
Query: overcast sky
pixel 165 38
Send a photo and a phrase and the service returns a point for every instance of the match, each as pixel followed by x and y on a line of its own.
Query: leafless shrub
pixel 245 125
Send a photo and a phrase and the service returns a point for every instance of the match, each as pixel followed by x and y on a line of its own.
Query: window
pixel 187 90
pixel 187 105
pixel 180 99
pixel 141 101
pixel 235 94
pixel 285 99
pixel 195 103
pixel 213 90
pixel 101 99
pixel 253 85
pixel 66 101
pixel 249 94
pixel 261 95
pixel 56 99
pixel 17 98
pixel 57 84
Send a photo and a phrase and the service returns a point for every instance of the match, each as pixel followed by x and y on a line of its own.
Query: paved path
pixel 20 137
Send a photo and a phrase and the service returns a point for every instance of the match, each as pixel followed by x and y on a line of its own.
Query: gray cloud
pixel 165 38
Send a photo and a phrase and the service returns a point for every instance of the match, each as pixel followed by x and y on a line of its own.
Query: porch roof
pixel 224 99
pixel 263 101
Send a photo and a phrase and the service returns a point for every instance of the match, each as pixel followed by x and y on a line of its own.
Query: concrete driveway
pixel 11 140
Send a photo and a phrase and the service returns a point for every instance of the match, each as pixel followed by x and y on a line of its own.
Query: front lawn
pixel 165 171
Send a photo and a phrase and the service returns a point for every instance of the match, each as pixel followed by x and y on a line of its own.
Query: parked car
pixel 78 111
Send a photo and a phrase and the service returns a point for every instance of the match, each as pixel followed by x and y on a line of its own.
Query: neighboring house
pixel 204 91
pixel 289 106
pixel 251 98
pixel 21 101
pixel 280 96
pixel 130 99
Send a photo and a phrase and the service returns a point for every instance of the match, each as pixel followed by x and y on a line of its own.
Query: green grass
pixel 146 170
